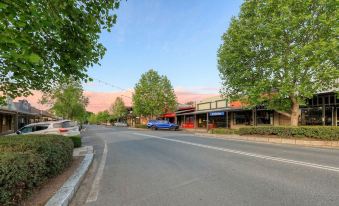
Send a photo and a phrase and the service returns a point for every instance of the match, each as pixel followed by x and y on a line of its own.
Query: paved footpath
pixel 171 168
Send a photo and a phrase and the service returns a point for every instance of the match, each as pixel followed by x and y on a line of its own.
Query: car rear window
pixel 57 125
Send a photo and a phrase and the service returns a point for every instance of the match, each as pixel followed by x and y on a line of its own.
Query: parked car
pixel 63 127
pixel 120 124
pixel 150 123
pixel 164 124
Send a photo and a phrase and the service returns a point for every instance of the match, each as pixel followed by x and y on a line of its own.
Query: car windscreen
pixel 26 129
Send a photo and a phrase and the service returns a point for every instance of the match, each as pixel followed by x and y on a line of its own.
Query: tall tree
pixel 118 108
pixel 68 101
pixel 153 95
pixel 44 42
pixel 280 52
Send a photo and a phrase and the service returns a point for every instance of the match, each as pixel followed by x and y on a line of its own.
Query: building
pixel 8 119
pixel 217 112
pixel 322 109
pixel 15 115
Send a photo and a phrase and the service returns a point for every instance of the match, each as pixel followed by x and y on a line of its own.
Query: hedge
pixel 26 161
pixel 76 141
pixel 315 132
pixel 223 131
pixel 141 126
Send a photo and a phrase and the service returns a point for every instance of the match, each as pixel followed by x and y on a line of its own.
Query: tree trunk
pixel 294 112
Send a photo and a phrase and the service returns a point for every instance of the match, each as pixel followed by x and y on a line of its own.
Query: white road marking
pixel 93 195
pixel 289 161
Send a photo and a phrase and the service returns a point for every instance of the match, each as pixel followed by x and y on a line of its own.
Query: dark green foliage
pixel 76 141
pixel 280 53
pixel 315 132
pixel 27 160
pixel 223 131
pixel 43 42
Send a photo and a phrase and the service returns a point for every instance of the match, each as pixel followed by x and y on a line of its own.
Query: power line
pixel 111 85
pixel 114 86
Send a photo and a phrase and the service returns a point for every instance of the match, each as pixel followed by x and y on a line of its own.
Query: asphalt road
pixel 171 168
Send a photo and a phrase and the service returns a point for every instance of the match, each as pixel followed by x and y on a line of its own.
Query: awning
pixel 214 110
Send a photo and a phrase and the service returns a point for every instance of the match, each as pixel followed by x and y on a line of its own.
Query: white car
pixel 120 124
pixel 63 127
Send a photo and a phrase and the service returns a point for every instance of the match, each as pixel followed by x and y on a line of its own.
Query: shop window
pixel 264 117
pixel 312 116
pixel 328 116
pixel 243 118
pixel 320 100
pixel 326 100
pixel 332 102
pixel 217 121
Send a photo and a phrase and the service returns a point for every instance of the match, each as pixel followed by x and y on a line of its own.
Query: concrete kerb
pixel 276 140
pixel 65 194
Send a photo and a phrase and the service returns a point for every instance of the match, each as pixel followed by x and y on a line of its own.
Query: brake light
pixel 63 130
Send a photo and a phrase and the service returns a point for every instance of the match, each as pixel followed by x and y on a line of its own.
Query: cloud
pixel 99 101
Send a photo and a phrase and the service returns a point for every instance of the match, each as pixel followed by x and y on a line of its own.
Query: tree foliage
pixel 118 108
pixel 103 117
pixel 44 42
pixel 280 52
pixel 153 95
pixel 68 101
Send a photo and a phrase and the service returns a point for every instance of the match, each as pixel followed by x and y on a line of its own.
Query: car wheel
pixel 154 128
pixel 172 128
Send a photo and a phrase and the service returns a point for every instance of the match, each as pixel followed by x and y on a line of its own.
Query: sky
pixel 177 38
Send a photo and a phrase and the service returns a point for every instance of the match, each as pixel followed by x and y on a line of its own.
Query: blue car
pixel 163 124
pixel 150 123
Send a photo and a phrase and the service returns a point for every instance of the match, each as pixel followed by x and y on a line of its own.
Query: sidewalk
pixel 65 194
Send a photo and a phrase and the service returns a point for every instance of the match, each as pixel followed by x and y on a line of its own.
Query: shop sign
pixel 216 114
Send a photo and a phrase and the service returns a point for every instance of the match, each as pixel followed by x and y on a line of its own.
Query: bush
pixel 143 126
pixel 315 132
pixel 223 131
pixel 27 160
pixel 76 141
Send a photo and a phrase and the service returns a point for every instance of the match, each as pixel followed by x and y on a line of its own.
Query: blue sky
pixel 178 38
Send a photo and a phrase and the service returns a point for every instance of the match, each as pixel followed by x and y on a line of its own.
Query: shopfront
pixel 322 109
pixel 217 119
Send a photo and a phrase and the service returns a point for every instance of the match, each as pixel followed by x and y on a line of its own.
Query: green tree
pixel 118 108
pixel 92 119
pixel 68 101
pixel 44 42
pixel 280 53
pixel 103 117
pixel 153 95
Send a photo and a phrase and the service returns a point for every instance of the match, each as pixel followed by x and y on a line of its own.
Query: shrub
pixel 223 131
pixel 27 160
pixel 315 132
pixel 76 141
pixel 141 126
pixel 19 174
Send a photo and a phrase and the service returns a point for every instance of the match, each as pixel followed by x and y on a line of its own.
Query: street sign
pixel 211 114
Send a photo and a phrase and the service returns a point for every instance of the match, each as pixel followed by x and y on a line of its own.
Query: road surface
pixel 173 168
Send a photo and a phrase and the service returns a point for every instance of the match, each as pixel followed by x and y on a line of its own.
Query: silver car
pixel 120 124
pixel 62 127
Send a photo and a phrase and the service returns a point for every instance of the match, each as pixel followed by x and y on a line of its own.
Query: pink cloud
pixel 99 101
